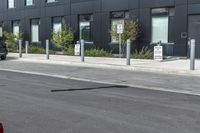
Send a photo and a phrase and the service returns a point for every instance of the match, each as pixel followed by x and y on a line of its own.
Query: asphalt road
pixel 40 104
pixel 169 82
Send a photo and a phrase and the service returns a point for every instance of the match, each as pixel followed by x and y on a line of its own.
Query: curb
pixel 137 68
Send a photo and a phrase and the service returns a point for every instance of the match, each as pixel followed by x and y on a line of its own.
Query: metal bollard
pixel 20 48
pixel 27 47
pixel 82 50
pixel 192 54
pixel 47 49
pixel 128 52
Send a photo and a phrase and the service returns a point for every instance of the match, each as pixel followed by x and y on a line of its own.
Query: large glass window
pixel 57 23
pixel 15 27
pixel 29 2
pixel 162 24
pixel 117 18
pixel 85 27
pixel 50 1
pixel 35 30
pixel 1 29
pixel 160 29
pixel 11 3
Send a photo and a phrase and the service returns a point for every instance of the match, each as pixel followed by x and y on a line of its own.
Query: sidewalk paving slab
pixel 179 66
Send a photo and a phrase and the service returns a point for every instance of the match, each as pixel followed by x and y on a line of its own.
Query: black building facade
pixel 178 19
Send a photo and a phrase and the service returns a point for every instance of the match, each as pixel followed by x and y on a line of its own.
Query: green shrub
pixel 69 51
pixel 97 53
pixel 52 52
pixel 145 53
pixel 38 50
pixel 131 31
pixel 12 41
pixel 63 38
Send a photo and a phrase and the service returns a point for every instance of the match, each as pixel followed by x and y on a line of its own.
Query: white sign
pixel 120 28
pixel 77 49
pixel 158 53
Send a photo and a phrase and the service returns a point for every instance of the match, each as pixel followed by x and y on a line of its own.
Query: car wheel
pixel 3 57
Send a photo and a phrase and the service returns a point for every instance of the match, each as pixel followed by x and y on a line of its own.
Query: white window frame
pixel 11 4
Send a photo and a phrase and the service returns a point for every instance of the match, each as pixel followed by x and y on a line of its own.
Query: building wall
pixel 70 9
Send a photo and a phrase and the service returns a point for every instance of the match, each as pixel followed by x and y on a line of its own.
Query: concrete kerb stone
pixel 143 65
pixel 116 67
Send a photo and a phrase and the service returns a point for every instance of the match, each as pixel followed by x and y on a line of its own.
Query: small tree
pixel 131 31
pixel 64 38
pixel 12 40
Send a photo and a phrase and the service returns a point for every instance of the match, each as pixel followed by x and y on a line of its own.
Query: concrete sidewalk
pixel 178 66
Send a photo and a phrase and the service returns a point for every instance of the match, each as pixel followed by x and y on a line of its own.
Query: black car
pixel 3 50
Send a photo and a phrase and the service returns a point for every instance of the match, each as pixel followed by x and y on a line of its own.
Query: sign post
pixel 158 52
pixel 120 30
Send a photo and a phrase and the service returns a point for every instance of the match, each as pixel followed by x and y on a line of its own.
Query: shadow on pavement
pixel 93 88
pixel 11 58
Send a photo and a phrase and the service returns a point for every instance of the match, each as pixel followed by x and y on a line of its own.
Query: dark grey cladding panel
pixel 97 28
pixel 32 13
pixel 114 5
pixel 2 16
pixel 13 15
pixel 145 22
pixel 55 10
pixel 78 1
pixel 67 20
pixel 74 22
pixel 194 9
pixel 179 50
pixel 134 14
pixel 3 5
pixel 156 3
pixel 105 21
pixel 180 2
pixel 193 1
pixel 20 4
pixel 181 27
pixel 134 4
pixel 84 7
